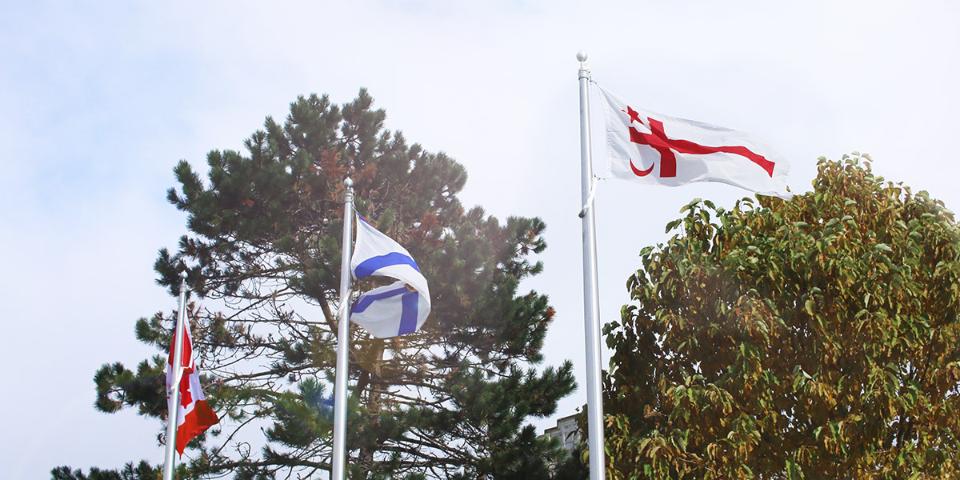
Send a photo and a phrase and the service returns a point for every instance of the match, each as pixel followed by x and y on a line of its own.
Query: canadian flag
pixel 653 148
pixel 194 415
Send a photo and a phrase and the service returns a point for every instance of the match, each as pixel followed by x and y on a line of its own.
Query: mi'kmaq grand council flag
pixel 395 309
pixel 653 148
pixel 194 415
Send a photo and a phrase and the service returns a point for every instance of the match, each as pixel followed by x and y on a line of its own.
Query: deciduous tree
pixel 812 338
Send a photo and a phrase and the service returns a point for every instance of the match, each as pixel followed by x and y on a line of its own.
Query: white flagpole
pixel 173 402
pixel 343 338
pixel 591 306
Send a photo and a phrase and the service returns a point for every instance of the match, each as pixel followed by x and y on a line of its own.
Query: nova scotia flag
pixel 395 309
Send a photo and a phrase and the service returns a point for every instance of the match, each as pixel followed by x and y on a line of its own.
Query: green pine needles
pixel 263 252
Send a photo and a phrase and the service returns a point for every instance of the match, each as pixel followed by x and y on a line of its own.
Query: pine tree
pixel 141 471
pixel 263 256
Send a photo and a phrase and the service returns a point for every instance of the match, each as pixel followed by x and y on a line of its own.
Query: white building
pixel 566 432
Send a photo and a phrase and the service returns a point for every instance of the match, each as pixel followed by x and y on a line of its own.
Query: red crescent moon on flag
pixel 641 173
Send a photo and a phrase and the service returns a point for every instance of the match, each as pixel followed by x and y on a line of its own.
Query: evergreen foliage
pixel 263 252
pixel 811 338
pixel 141 471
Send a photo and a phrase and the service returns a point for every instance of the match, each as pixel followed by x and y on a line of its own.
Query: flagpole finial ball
pixel 183 275
pixel 581 56
pixel 348 182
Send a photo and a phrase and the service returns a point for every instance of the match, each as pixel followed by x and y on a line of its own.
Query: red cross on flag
pixel 194 415
pixel 654 148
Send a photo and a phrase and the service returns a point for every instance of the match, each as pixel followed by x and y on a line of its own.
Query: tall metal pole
pixel 591 306
pixel 173 402
pixel 340 395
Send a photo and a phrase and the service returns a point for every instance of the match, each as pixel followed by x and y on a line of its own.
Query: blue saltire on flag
pixel 395 309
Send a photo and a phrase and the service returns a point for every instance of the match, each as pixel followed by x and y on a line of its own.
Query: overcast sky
pixel 98 101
